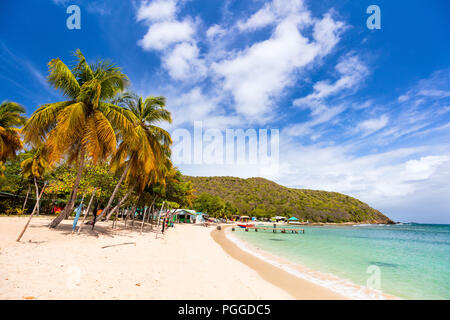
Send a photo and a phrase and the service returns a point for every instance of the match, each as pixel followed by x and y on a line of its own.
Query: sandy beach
pixel 188 262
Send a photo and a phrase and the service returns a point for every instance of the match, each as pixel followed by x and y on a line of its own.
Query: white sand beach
pixel 184 263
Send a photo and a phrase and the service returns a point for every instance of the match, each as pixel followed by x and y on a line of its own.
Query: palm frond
pixel 42 121
pixel 62 78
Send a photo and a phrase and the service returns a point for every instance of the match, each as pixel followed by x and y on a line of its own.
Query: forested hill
pixel 262 197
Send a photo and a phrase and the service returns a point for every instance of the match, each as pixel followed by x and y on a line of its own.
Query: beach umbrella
pixel 293 219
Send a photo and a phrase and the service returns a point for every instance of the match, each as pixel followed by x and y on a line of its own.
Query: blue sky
pixel 362 112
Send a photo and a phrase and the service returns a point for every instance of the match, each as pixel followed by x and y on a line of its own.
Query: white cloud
pixel 196 105
pixel 272 13
pixel 326 32
pixel 183 63
pixel 320 114
pixel 423 168
pixel 257 75
pixel 372 125
pixel 434 93
pixel 351 71
pixel 435 87
pixel 215 31
pixel 261 18
pixel 154 11
pixel 403 98
pixel 162 34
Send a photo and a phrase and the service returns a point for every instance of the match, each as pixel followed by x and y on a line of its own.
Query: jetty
pixel 274 229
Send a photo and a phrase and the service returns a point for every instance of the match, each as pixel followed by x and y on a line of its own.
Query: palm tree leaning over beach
pixel 84 126
pixel 141 153
pixel 10 119
pixel 34 166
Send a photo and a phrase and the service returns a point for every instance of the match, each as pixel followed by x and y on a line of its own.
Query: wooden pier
pixel 274 230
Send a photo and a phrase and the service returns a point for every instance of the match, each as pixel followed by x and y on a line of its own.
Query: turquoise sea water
pixel 414 259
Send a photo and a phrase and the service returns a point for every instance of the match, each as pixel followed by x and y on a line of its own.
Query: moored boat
pixel 245 225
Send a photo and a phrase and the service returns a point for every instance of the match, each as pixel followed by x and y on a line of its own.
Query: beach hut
pixel 245 218
pixel 292 220
pixel 280 218
pixel 185 216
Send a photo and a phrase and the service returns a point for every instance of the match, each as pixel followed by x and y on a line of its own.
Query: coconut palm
pixel 34 165
pixel 10 118
pixel 142 152
pixel 86 124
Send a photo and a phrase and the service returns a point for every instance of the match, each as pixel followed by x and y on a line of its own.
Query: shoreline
pixel 295 278
pixel 299 288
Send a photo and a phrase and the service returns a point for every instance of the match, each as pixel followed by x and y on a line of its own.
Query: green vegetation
pixel 10 118
pixel 100 139
pixel 259 197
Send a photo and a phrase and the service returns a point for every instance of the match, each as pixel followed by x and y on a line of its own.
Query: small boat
pixel 246 225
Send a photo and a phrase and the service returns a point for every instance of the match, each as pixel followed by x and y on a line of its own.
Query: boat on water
pixel 245 225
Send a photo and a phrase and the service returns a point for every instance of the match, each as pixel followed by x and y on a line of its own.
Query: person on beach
pixel 164 225
pixel 96 214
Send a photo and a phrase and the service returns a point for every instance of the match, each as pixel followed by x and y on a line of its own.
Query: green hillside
pixel 261 197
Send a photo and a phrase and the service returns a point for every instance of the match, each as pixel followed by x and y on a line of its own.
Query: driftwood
pixel 120 244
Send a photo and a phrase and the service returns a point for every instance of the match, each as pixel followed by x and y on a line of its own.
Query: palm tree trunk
pixel 151 211
pixel 119 204
pixel 38 206
pixel 38 197
pixel 26 199
pixel 143 219
pixel 69 206
pixel 87 210
pixel 133 213
pixel 116 189
pixel 126 217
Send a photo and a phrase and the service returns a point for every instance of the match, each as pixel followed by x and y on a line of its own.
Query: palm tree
pixel 87 123
pixel 34 166
pixel 10 119
pixel 140 153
